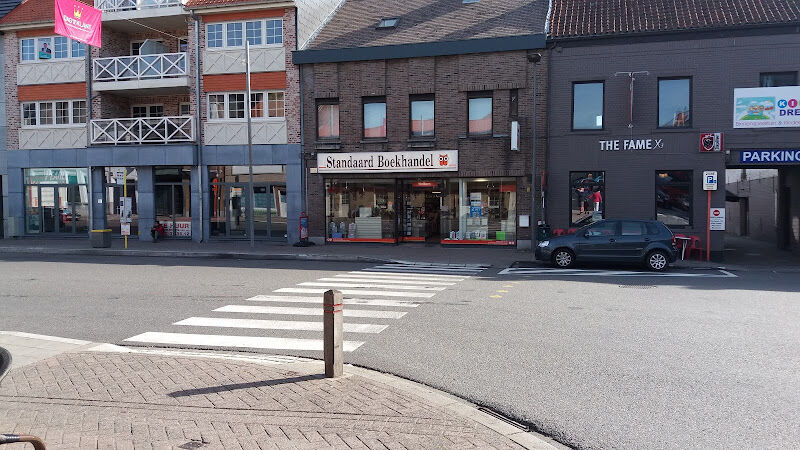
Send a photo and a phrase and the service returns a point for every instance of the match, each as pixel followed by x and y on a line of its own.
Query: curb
pixel 196 254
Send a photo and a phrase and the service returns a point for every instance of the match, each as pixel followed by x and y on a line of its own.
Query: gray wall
pixel 716 64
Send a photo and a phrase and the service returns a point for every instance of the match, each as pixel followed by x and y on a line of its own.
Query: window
pixel 257 104
pixel 587 198
pixel 136 46
pixel 275 31
pixel 276 108
pixel 603 229
pixel 45 48
pixel 254 32
pixel 78 49
pixel 360 209
pixel 422 115
pixel 674 102
pixel 184 109
pixel 479 113
pixel 388 23
pixel 776 79
pixel 674 197
pixel 328 119
pixel 183 45
pixel 513 103
pixel 375 117
pixel 214 35
pixel 216 106
pixel 60 47
pixel 234 38
pixel 236 106
pixel 64 112
pixel 147 111
pixel 587 105
pixel 477 209
pixel 633 228
pixel 28 49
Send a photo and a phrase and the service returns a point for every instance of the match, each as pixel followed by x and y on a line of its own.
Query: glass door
pixel 263 207
pixel 50 217
pixel 237 211
pixel 278 216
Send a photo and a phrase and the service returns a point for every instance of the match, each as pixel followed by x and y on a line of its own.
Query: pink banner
pixel 79 21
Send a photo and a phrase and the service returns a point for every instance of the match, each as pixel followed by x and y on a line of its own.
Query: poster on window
pixel 181 229
pixel 770 107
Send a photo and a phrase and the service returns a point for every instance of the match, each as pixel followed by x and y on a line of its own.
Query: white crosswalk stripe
pixel 285 310
pixel 276 324
pixel 384 292
pixel 718 273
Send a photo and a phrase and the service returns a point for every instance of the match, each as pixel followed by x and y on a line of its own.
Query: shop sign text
pixel 411 161
pixel 769 156
pixel 615 145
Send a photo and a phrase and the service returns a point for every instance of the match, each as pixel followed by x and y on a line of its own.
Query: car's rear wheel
pixel 657 261
pixel 563 258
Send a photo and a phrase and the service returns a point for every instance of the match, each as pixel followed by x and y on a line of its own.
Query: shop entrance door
pixel 268 216
pixel 58 209
pixel 421 219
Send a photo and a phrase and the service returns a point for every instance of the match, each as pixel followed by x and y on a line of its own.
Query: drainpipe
pixel 198 122
pixel 534 58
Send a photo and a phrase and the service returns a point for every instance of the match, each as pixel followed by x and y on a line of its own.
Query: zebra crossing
pixel 291 317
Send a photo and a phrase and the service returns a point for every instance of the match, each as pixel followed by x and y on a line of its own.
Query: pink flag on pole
pixel 78 21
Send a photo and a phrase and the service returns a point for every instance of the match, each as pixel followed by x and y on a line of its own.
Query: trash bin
pixel 543 233
pixel 100 238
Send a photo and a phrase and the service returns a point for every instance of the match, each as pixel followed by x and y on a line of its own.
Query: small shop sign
pixel 710 142
pixel 408 161
pixel 771 107
pixel 615 145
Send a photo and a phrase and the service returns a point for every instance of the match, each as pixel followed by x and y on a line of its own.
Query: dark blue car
pixel 648 242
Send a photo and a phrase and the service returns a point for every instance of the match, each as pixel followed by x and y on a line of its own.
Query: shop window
pixel 777 79
pixel 422 115
pixel 327 119
pixel 587 198
pixel 674 102
pixel 56 201
pixel 479 211
pixel 587 105
pixel 479 113
pixel 360 210
pixel 674 197
pixel 114 192
pixel 374 117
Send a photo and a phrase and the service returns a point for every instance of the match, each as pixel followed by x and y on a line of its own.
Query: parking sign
pixel 710 180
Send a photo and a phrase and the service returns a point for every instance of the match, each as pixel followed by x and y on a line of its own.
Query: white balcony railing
pixel 130 5
pixel 143 130
pixel 141 67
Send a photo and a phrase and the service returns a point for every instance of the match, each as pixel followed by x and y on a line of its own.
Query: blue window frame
pixel 214 35
pixel 275 31
pixel 234 34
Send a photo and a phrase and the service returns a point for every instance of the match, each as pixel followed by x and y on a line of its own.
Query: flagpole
pixel 251 193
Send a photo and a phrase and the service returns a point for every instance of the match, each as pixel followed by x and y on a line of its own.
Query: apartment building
pixel 157 114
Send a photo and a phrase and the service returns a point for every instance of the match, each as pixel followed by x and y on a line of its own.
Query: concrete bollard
pixel 332 330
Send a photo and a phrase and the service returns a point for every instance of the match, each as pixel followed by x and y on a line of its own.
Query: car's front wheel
pixel 657 261
pixel 563 258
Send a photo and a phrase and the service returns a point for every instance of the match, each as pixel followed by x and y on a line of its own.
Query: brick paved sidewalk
pixel 91 399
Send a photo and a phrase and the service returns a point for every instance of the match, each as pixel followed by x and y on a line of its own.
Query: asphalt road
pixel 595 361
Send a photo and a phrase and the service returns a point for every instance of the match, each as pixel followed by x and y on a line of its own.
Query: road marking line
pixel 431 264
pixel 347 301
pixel 413 276
pixel 374 280
pixel 357 292
pixel 371 285
pixel 495 296
pixel 215 340
pixel 502 291
pixel 308 311
pixel 276 324
pixel 613 273
pixel 425 270
pixel 508 285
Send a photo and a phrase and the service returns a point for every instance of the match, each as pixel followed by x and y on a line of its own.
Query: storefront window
pixel 173 196
pixel 674 197
pixel 674 102
pixel 360 210
pixel 587 197
pixel 587 105
pixel 480 211
pixel 56 201
pixel 114 192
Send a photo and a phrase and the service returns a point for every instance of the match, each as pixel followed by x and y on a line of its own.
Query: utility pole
pixel 251 191
pixel 533 223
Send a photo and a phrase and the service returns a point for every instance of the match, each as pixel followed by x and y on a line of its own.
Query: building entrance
pixel 231 212
pixel 422 207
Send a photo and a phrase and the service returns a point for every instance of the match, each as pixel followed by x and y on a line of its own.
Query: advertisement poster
pixel 78 21
pixel 181 229
pixel 773 107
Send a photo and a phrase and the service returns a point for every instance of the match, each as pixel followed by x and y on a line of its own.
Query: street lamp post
pixel 251 191
pixel 534 58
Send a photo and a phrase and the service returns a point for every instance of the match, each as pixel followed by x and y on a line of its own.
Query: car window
pixel 652 229
pixel 603 229
pixel 632 229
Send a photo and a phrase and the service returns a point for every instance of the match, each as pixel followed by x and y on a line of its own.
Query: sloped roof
pixel 6 6
pixel 421 21
pixel 194 4
pixel 34 11
pixel 576 18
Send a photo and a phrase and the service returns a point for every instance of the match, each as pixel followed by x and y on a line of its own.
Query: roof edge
pixel 438 48
pixel 753 26
pixel 222 7
pixel 26 25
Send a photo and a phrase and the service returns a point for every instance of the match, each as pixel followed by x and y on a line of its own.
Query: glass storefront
pixel 56 201
pixel 230 204
pixel 114 192
pixel 587 198
pixel 173 198
pixel 446 211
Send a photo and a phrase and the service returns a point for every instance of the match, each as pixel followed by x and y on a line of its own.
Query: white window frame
pixel 52 38
pixel 266 117
pixel 52 103
pixel 243 22
pixel 188 106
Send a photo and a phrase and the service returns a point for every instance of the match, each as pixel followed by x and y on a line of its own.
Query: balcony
pixel 162 73
pixel 143 130
pixel 118 14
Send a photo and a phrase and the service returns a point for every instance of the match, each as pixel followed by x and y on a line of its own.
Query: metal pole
pixel 198 123
pixel 125 196
pixel 251 201
pixel 534 58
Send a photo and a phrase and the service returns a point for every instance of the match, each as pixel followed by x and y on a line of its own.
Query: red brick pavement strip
pixel 122 400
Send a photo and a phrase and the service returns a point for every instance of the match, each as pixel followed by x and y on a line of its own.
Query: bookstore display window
pixel 360 210
pixel 479 211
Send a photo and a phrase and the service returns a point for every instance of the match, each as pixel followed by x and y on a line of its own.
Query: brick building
pixel 418 121
pixel 167 118
pixel 637 86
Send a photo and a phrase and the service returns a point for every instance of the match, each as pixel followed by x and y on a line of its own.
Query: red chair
pixel 572 230
pixel 695 245
pixel 559 232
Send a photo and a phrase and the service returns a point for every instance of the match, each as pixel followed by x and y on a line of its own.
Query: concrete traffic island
pixel 106 396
